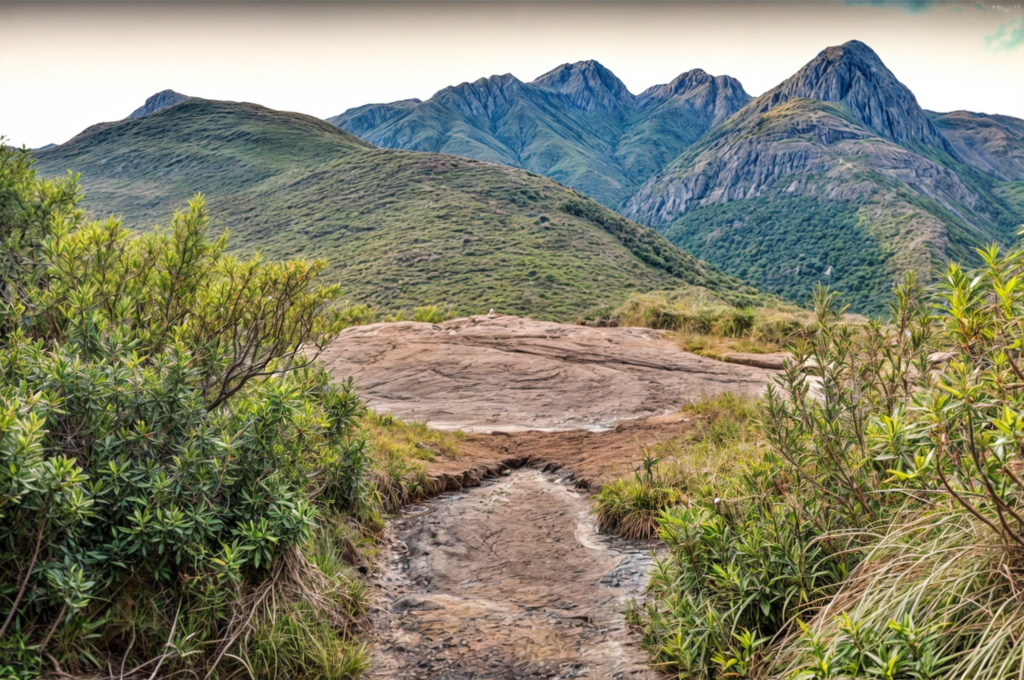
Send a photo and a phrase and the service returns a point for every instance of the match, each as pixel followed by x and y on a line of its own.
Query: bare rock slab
pixel 508 581
pixel 506 373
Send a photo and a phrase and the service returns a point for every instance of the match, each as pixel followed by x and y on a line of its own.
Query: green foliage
pixel 787 247
pixel 399 450
pixel 707 324
pixel 879 533
pixel 168 448
pixel 767 542
pixel 630 507
pixel 648 245
pixel 432 314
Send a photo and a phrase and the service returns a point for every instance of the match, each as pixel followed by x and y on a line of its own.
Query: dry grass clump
pixel 398 450
pixel 704 323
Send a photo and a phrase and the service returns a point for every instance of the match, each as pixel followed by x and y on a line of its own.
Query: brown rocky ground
pixel 506 373
pixel 507 581
pixel 506 577
pixel 590 459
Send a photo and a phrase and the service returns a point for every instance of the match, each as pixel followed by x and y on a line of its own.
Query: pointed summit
pixel 853 75
pixel 724 92
pixel 161 100
pixel 683 83
pixel 588 85
pixel 484 97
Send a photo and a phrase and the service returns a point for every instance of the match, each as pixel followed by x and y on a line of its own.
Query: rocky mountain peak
pixel 587 84
pixel 852 74
pixel 486 97
pixel 689 82
pixel 161 100
pixel 503 84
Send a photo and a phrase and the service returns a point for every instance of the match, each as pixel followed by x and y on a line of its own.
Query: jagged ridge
pixel 835 175
pixel 578 124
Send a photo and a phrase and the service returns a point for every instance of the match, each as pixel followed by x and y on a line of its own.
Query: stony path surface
pixel 505 581
pixel 506 577
pixel 506 373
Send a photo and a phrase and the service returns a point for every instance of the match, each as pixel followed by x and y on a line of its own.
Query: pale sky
pixel 66 66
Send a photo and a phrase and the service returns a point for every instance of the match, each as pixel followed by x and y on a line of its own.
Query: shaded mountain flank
pixel 836 175
pixel 577 124
pixel 398 229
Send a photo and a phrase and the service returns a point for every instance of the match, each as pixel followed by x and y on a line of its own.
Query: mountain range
pixel 836 175
pixel 398 229
pixel 577 124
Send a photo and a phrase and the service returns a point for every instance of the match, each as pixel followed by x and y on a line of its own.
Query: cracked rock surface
pixel 507 374
pixel 505 581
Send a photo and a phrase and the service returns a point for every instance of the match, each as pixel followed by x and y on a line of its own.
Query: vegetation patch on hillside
pixel 787 247
pixel 867 518
pixel 707 324
pixel 397 229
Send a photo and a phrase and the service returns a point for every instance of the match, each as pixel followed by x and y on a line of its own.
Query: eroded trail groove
pixel 508 580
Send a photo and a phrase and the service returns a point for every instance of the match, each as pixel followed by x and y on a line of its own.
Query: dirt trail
pixel 506 577
pixel 508 580
pixel 506 373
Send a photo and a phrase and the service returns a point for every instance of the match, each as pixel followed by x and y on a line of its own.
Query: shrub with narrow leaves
pixel 165 437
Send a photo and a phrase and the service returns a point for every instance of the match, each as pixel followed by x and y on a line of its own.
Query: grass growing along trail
pixel 674 471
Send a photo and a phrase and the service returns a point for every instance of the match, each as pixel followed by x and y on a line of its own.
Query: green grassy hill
pixel 398 228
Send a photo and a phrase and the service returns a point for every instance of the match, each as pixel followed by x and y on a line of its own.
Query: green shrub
pixel 880 534
pixel 761 546
pixel 433 314
pixel 357 315
pixel 168 448
pixel 944 576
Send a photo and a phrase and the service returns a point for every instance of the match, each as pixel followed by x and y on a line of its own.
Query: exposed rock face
pixel 718 96
pixel 587 85
pixel 508 373
pixel 577 124
pixel 852 75
pixel 993 144
pixel 815 149
pixel 841 132
pixel 161 100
